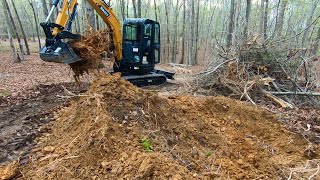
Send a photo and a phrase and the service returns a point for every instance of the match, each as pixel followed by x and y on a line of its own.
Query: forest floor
pixel 111 129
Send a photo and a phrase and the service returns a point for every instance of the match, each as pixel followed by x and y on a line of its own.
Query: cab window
pixel 131 32
pixel 157 34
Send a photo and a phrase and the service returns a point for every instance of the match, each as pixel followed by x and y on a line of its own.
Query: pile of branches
pixel 258 70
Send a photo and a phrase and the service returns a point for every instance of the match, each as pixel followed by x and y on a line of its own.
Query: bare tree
pixel 90 15
pixel 155 9
pixel 14 28
pixel 280 18
pixel 139 8
pixel 231 24
pixel 13 48
pixel 134 8
pixel 45 8
pixel 248 12
pixel 265 19
pixel 261 9
pixel 21 28
pixel 183 32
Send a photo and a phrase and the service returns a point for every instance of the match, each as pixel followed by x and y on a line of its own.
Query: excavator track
pixel 146 80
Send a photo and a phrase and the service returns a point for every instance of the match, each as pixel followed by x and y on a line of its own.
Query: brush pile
pixel 118 131
pixel 92 48
pixel 257 69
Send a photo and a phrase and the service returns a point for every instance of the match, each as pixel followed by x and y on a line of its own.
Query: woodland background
pixel 192 30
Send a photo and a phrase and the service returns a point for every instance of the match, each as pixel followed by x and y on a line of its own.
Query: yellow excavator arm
pixel 104 11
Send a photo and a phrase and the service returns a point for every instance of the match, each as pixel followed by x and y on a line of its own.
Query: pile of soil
pixel 91 48
pixel 116 130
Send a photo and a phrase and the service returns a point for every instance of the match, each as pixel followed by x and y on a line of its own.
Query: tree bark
pixel 14 28
pixel 168 32
pixel 155 9
pixel 45 8
pixel 309 21
pixel 35 21
pixel 175 33
pixel 261 9
pixel 248 12
pixel 123 12
pixel 197 33
pixel 134 8
pixel 139 8
pixel 183 33
pixel 231 24
pixel 265 19
pixel 316 46
pixel 90 15
pixel 280 18
pixel 13 48
pixel 21 28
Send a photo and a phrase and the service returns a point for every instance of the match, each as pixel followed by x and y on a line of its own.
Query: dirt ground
pixel 114 130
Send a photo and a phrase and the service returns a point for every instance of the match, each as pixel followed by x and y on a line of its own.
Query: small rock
pixel 316 129
pixel 238 122
pixel 48 149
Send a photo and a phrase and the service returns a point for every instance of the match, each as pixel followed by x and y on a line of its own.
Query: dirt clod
pixel 9 171
pixel 92 47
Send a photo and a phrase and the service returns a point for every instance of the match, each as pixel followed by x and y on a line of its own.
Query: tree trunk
pixel 261 9
pixel 134 8
pixel 45 8
pixel 90 15
pixel 309 21
pixel 13 48
pixel 265 21
pixel 123 12
pixel 175 33
pixel 155 9
pixel 139 8
pixel 14 28
pixel 197 34
pixel 21 28
pixel 36 22
pixel 316 46
pixel 248 12
pixel 231 24
pixel 280 18
pixel 183 33
pixel 168 32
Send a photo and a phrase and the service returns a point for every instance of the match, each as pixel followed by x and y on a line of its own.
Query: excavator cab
pixel 141 46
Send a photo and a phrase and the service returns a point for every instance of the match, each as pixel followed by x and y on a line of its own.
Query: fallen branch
pixel 280 101
pixel 296 93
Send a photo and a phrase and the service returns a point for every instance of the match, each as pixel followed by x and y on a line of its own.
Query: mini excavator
pixel 136 48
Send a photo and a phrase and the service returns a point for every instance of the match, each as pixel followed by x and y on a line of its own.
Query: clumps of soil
pixel 9 171
pixel 91 48
pixel 101 135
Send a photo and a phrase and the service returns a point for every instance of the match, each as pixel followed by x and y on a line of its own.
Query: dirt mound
pixel 116 130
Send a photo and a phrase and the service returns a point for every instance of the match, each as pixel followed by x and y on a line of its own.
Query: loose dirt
pixel 22 118
pixel 116 130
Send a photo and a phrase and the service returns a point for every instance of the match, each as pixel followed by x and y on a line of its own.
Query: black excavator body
pixel 141 51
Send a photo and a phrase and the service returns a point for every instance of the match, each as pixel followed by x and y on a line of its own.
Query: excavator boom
pixel 56 50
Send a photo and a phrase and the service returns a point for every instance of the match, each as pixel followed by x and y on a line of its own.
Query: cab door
pixel 157 46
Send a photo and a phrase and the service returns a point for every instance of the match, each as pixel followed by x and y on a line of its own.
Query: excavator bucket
pixel 60 52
